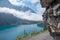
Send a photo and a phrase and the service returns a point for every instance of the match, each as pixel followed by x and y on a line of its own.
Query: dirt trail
pixel 42 36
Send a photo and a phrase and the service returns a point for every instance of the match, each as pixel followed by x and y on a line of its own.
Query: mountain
pixel 7 18
pixel 11 19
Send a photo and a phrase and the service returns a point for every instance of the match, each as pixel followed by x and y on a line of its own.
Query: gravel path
pixel 42 36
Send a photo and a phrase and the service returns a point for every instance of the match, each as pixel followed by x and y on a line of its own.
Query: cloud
pixel 34 1
pixel 17 2
pixel 37 8
pixel 22 15
pixel 40 9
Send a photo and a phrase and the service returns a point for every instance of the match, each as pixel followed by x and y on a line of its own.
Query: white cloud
pixel 22 15
pixel 40 9
pixel 17 2
pixel 34 1
pixel 22 3
pixel 26 15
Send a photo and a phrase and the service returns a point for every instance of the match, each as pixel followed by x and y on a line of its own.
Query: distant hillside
pixel 41 24
pixel 7 18
pixel 11 19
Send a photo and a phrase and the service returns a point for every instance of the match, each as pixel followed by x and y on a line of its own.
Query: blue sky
pixel 28 15
pixel 33 4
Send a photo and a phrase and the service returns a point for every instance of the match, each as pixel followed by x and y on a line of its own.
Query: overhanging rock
pixel 45 3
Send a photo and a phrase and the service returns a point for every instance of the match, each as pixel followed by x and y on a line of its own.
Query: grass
pixel 33 33
pixel 26 34
pixel 37 32
pixel 19 37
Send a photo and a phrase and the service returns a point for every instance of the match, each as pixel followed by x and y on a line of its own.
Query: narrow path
pixel 42 36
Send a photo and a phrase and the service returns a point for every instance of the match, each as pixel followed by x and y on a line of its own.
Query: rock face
pixel 52 16
pixel 45 3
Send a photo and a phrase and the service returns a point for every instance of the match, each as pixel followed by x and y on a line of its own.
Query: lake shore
pixel 27 36
pixel 31 36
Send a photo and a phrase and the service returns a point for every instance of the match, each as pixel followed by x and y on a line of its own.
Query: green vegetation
pixel 19 37
pixel 33 33
pixel 37 32
pixel 42 25
pixel 25 34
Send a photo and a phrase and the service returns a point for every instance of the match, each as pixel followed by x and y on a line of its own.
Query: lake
pixel 10 32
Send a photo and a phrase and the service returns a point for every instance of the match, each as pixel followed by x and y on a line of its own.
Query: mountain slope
pixel 11 18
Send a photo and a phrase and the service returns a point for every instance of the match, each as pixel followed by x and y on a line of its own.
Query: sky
pixel 28 15
pixel 33 4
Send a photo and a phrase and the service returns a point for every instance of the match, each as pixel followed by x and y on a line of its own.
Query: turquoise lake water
pixel 10 32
